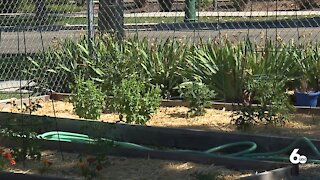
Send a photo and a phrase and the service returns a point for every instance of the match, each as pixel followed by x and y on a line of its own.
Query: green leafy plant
pixel 115 61
pixel 136 100
pixel 198 95
pixel 272 106
pixel 58 67
pixel 88 100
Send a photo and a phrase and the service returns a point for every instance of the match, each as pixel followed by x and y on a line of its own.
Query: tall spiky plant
pixel 162 62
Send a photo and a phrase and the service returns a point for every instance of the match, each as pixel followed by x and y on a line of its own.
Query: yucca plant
pixel 112 61
pixel 162 64
pixel 116 60
pixel 42 70
pixel 220 66
pixel 309 68
pixel 58 66
pixel 274 61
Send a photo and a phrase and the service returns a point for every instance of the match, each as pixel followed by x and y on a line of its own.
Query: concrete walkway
pixel 14 86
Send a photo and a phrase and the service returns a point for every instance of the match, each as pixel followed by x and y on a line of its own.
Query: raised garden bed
pixel 214 104
pixel 158 137
pixel 118 168
pixel 179 138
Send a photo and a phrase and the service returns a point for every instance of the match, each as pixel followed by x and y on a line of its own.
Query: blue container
pixel 307 99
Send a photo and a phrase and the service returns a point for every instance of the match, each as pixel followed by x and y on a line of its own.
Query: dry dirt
pixel 119 168
pixel 214 119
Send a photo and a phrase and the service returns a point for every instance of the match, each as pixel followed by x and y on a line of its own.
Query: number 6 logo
pixel 296 158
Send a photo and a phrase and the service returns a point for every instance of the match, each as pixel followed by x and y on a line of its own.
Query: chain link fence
pixel 28 27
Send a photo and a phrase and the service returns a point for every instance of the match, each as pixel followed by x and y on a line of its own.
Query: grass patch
pixel 17 95
pixel 55 20
pixel 52 8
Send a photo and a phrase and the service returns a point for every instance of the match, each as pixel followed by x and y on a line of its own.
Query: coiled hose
pixel 213 152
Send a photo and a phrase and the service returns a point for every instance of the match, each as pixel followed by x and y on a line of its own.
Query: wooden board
pixel 160 136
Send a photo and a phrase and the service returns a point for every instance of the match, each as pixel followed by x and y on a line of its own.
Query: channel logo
pixel 296 158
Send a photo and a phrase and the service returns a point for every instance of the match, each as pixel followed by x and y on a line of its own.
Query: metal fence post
pixel 90 17
pixel 190 11
pixel 111 18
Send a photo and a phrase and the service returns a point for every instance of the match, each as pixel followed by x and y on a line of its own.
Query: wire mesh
pixel 33 62
pixel 28 27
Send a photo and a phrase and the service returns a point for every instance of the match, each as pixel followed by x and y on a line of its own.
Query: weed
pixel 88 100
pixel 136 100
pixel 198 95
pixel 273 104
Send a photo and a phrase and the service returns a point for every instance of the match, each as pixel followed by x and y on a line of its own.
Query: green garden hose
pixel 213 152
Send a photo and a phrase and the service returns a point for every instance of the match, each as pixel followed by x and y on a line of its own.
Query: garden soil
pixel 120 168
pixel 214 119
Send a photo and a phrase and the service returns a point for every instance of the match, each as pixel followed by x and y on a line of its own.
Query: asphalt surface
pixel 31 41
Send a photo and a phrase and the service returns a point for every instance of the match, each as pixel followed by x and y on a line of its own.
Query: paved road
pixel 30 42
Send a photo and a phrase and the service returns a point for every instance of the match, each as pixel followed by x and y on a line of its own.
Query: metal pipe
pixel 90 14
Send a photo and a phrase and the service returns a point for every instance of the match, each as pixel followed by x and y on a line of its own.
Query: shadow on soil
pixel 298 125
pixel 178 115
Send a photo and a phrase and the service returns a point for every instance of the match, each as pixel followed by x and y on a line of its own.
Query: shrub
pixel 136 100
pixel 198 95
pixel 88 100
pixel 273 104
